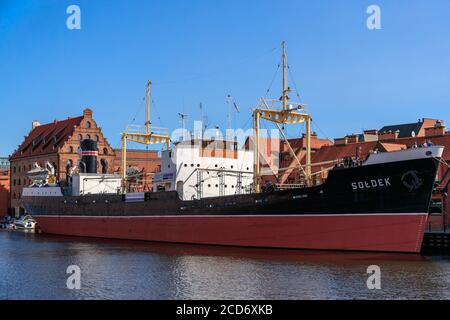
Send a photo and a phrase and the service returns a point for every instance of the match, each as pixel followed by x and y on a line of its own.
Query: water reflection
pixel 34 266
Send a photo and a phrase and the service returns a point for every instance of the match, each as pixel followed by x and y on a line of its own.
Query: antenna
pixel 204 118
pixel 228 111
pixel 183 116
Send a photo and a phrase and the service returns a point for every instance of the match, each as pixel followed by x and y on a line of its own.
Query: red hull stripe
pixel 366 232
pixel 89 153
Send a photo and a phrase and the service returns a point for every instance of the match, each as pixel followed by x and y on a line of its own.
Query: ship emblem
pixel 411 181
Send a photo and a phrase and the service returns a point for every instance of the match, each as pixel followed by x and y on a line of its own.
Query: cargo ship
pixel 210 192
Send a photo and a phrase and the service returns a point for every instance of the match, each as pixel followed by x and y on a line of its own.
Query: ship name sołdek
pixel 370 184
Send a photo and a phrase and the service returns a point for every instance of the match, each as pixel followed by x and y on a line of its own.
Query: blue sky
pixel 199 51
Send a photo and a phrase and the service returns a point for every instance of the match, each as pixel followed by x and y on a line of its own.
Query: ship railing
pixel 287 186
pixel 139 129
pixel 292 105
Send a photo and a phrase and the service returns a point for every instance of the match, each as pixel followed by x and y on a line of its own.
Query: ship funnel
pixel 89 154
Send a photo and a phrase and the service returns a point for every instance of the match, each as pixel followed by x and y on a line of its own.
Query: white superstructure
pixel 403 155
pixel 92 183
pixel 205 168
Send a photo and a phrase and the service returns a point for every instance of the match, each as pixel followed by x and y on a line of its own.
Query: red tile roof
pixel 47 138
pixel 389 147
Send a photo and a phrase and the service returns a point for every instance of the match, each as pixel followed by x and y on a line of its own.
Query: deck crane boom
pixel 146 135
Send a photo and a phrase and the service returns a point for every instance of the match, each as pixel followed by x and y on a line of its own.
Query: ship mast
pixel 286 115
pixel 147 135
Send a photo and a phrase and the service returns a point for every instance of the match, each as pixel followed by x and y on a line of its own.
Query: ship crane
pixel 290 113
pixel 146 135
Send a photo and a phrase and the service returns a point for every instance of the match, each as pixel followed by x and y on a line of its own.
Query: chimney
pixel 438 130
pixel 35 124
pixel 388 135
pixel 352 138
pixel 371 131
pixel 340 141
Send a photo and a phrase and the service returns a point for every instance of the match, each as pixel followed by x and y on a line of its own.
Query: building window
pixel 105 151
pixel 14 169
pixel 80 137
pixel 14 182
pixel 88 136
pixel 96 138
pixel 14 195
pixel 70 149
pixel 88 125
pixel 18 182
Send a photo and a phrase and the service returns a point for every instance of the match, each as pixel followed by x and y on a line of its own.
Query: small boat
pixel 25 222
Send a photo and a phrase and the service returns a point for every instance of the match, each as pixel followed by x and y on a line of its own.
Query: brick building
pixel 4 187
pixel 57 143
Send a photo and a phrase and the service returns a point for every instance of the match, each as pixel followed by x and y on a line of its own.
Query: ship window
pixel 217 185
pixel 215 166
pixel 185 165
pixel 198 165
pixel 192 165
pixel 209 186
pixel 232 167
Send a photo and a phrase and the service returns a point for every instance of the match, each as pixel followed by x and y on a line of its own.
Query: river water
pixel 33 266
